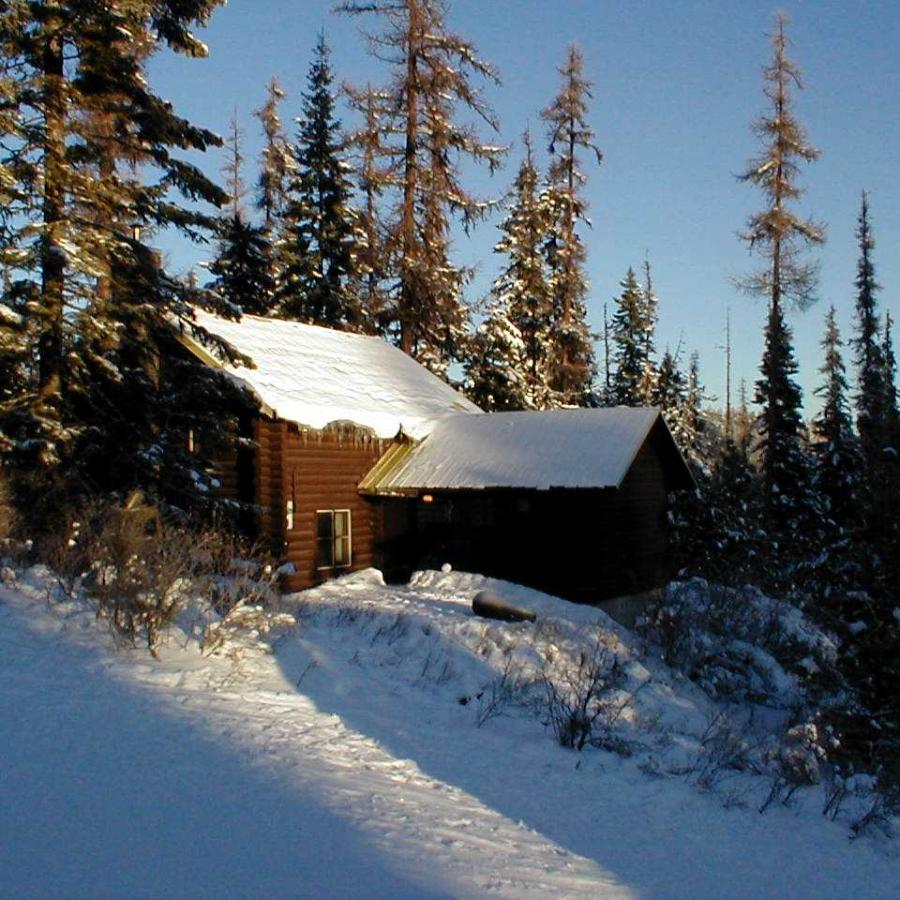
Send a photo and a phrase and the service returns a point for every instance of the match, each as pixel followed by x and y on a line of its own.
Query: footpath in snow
pixel 348 763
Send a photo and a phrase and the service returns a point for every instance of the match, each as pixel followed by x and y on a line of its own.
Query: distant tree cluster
pixel 812 515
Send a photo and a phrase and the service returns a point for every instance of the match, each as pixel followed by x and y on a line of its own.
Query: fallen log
pixel 489 605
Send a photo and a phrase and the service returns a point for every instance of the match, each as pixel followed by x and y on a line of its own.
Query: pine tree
pixel 97 295
pixel 243 264
pixel 838 464
pixel 629 339
pixel 242 267
pixel 497 366
pixel 650 316
pixel 670 390
pixel 870 412
pixel 276 162
pixel 778 234
pixel 573 365
pixel 516 333
pixel 424 143
pixel 790 503
pixel 891 411
pixel 373 253
pixel 317 245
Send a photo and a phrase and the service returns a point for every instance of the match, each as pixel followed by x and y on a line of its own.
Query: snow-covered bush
pixel 141 572
pixel 738 644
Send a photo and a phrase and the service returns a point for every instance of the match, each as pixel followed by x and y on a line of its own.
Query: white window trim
pixel 349 562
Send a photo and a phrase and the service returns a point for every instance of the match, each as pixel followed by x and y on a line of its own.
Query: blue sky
pixel 676 88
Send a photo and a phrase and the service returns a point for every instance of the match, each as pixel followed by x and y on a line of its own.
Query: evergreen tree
pixel 516 333
pixel 424 143
pixel 317 246
pixel 373 252
pixel 790 504
pixel 497 367
pixel 242 267
pixel 870 397
pixel 837 458
pixel 778 234
pixel 572 359
pixel 891 411
pixel 670 390
pixel 86 122
pixel 629 339
pixel 276 162
pixel 650 304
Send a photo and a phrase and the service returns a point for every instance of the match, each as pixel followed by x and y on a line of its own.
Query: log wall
pixel 315 470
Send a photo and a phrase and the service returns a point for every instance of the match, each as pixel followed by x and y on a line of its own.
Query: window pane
pixel 341 524
pixel 324 525
pixel 326 554
pixel 342 551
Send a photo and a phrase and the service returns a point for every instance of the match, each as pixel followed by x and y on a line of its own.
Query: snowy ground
pixel 343 764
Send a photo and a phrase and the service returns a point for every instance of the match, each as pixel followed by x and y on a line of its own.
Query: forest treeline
pixel 352 228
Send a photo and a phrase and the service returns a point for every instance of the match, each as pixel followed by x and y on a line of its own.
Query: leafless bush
pixel 140 571
pixel 727 748
pixel 499 693
pixel 579 694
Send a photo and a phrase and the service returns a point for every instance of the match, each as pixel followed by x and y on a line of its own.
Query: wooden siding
pixel 315 470
pixel 588 545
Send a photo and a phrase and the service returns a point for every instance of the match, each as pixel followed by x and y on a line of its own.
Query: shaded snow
pixel 343 764
pixel 314 376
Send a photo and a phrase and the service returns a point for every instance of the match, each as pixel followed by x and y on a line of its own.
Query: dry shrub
pixel 141 571
pixel 580 696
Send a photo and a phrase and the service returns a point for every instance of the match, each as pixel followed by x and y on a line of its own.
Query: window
pixel 333 536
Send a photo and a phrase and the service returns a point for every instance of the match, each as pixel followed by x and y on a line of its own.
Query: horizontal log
pixel 489 605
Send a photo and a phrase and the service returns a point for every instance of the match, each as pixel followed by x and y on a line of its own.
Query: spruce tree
pixel 891 411
pixel 572 360
pixel 373 252
pixel 424 143
pixel 629 340
pixel 275 161
pixel 516 333
pixel 98 298
pixel 870 397
pixel 791 505
pixel 837 460
pixel 242 267
pixel 317 244
pixel 778 234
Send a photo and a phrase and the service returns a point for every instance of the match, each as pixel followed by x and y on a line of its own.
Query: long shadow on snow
pixel 658 836
pixel 112 794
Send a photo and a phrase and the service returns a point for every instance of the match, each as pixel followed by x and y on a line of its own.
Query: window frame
pixel 334 539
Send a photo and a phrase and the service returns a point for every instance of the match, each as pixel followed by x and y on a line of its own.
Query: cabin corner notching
pixel 362 457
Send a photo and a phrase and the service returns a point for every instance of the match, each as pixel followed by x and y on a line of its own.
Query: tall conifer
pixel 778 235
pixel 317 243
pixel 424 141
pixel 573 365
pixel 870 396
pixel 517 332
pixel 99 297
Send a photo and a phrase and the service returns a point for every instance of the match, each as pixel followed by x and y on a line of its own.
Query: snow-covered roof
pixel 314 376
pixel 571 448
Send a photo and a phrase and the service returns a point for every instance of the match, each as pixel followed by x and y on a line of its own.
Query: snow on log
pixel 489 605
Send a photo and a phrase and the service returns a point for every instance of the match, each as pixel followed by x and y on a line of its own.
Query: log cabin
pixel 361 457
